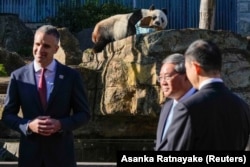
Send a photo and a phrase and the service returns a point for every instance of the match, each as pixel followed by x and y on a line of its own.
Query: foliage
pixel 2 71
pixel 25 51
pixel 86 16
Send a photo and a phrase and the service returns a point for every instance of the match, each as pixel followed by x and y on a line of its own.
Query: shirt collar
pixel 210 80
pixel 186 95
pixel 50 67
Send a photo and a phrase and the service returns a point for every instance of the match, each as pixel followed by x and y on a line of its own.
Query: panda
pixel 123 25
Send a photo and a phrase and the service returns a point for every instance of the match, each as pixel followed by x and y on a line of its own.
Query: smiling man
pixel 53 103
pixel 175 86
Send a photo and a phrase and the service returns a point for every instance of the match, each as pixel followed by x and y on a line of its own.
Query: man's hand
pixel 44 125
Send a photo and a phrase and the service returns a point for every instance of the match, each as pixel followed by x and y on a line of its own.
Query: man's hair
pixel 206 53
pixel 49 30
pixel 179 61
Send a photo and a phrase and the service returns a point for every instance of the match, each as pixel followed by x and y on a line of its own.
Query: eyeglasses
pixel 167 77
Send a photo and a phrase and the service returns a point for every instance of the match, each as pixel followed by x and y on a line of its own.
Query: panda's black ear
pixel 152 7
pixel 165 11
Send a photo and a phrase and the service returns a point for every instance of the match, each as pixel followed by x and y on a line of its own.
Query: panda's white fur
pixel 122 25
pixel 114 27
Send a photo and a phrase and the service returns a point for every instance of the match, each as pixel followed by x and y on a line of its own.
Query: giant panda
pixel 123 25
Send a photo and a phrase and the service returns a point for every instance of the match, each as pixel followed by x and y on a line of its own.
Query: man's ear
pixel 197 67
pixel 57 48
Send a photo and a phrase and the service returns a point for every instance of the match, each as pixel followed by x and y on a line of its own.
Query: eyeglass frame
pixel 167 77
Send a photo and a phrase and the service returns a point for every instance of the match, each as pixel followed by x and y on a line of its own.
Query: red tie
pixel 42 89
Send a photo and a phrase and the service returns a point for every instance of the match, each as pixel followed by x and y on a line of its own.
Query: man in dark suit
pixel 47 121
pixel 213 118
pixel 175 86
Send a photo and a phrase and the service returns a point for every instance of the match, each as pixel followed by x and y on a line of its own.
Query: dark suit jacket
pixel 160 143
pixel 212 119
pixel 67 102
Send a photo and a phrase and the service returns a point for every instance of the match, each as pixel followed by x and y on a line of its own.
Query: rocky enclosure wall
pixel 124 96
pixel 121 80
pixel 127 69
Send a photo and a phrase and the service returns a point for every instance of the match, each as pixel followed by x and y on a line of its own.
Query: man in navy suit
pixel 175 86
pixel 46 138
pixel 213 118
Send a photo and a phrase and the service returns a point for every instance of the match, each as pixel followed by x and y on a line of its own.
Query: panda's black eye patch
pixel 154 17
pixel 162 20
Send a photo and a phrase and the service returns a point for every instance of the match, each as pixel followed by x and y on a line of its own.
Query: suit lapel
pixel 164 115
pixel 31 74
pixel 31 78
pixel 166 110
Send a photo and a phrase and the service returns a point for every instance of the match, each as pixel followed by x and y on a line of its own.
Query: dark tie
pixel 42 88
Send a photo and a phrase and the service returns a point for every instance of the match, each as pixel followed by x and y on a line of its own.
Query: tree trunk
pixel 207 14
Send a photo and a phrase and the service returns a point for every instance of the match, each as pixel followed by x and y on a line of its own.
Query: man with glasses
pixel 175 86
pixel 214 118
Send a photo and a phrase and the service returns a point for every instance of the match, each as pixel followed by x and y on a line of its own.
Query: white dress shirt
pixel 49 76
pixel 208 81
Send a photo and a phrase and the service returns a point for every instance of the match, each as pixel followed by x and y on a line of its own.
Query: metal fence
pixel 181 13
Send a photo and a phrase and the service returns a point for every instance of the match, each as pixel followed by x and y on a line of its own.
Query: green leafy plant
pixel 25 51
pixel 3 72
pixel 78 17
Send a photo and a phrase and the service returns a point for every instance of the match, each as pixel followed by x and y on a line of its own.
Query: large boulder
pixel 85 38
pixel 10 60
pixel 69 52
pixel 14 35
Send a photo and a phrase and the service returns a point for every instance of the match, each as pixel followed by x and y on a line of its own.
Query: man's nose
pixel 40 48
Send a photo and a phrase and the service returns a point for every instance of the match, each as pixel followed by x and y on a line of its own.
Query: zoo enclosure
pixel 181 13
